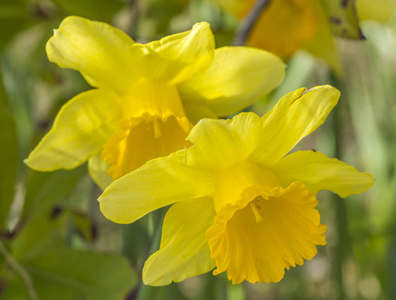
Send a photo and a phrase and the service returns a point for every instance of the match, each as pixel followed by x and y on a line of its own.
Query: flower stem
pixel 343 246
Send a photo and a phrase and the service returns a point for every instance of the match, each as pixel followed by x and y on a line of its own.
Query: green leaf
pixel 45 190
pixel 61 273
pixel 15 287
pixel 8 157
pixel 101 10
pixel 43 232
pixel 343 19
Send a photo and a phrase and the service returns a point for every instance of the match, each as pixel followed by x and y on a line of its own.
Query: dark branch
pixel 248 23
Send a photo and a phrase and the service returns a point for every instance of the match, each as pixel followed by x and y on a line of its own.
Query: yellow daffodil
pixel 286 26
pixel 146 97
pixel 242 203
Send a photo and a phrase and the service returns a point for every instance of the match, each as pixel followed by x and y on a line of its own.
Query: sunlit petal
pixel 218 144
pixel 295 116
pixel 237 77
pixel 102 53
pixel 318 172
pixel 80 130
pixel 184 250
pixel 178 57
pixel 156 184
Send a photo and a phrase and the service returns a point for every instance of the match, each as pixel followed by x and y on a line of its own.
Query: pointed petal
pixel 180 56
pixel 295 116
pixel 80 130
pixel 318 172
pixel 97 168
pixel 219 144
pixel 237 77
pixel 156 184
pixel 184 250
pixel 99 51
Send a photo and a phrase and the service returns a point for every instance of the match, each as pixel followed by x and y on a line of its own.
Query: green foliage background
pixel 55 244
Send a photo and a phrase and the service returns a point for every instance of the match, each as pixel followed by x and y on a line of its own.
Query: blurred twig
pixel 21 271
pixel 248 24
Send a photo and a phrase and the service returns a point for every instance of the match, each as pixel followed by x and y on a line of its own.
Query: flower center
pixel 154 125
pixel 143 139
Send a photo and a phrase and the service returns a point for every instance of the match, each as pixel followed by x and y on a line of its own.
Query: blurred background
pixel 55 244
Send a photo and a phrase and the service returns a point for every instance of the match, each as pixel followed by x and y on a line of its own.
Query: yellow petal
pixel 152 97
pixel 380 10
pixel 102 53
pixel 318 172
pixel 97 168
pixel 156 184
pixel 264 233
pixel 295 116
pixel 219 144
pixel 80 130
pixel 237 77
pixel 143 139
pixel 284 26
pixel 184 250
pixel 178 57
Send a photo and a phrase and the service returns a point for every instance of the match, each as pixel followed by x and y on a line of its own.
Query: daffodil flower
pixel 241 203
pixel 286 26
pixel 146 97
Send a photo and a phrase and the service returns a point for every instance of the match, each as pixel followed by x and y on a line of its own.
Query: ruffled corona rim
pixel 265 232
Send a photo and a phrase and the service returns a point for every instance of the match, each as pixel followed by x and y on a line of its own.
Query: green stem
pixel 343 246
pixel 21 271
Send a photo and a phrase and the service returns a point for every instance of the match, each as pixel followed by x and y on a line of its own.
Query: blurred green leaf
pixel 61 273
pixel 101 10
pixel 45 190
pixel 9 156
pixel 343 19
pixel 14 287
pixel 41 233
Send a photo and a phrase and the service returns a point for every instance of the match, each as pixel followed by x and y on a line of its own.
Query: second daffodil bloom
pixel 286 26
pixel 146 97
pixel 241 203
